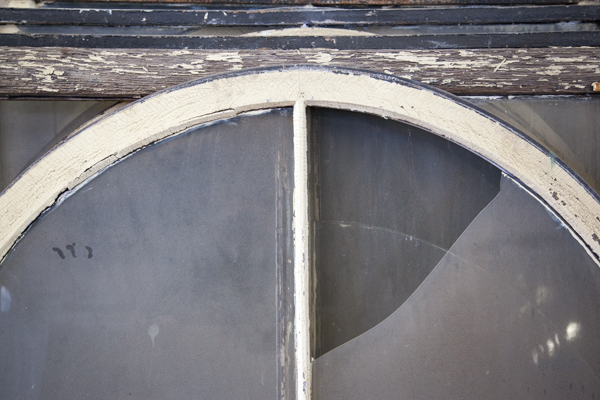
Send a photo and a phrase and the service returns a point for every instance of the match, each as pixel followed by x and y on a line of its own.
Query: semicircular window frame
pixel 113 137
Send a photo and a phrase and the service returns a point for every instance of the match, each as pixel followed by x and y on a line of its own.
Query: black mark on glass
pixel 59 251
pixel 71 248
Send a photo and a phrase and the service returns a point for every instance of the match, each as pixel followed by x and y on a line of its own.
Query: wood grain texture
pixel 308 40
pixel 353 2
pixel 128 74
pixel 298 16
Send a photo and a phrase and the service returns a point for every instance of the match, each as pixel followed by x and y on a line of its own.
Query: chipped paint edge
pixel 177 109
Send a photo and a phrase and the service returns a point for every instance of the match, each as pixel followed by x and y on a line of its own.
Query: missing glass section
pixel 390 200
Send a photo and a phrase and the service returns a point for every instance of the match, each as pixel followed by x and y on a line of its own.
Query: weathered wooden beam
pixel 349 2
pixel 126 73
pixel 296 16
pixel 298 42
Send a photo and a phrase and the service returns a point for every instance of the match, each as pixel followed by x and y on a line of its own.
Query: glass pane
pixel 510 312
pixel 392 199
pixel 30 128
pixel 159 278
pixel 568 126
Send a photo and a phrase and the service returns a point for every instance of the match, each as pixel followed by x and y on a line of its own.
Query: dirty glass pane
pixel 159 278
pixel 511 312
pixel 29 128
pixel 391 200
pixel 567 125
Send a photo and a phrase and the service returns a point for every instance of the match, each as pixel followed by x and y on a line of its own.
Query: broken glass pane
pixel 391 200
pixel 567 125
pixel 511 311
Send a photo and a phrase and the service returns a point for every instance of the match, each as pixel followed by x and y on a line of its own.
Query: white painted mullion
pixel 301 254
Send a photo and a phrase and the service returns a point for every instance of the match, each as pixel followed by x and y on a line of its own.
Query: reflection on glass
pixel 392 199
pixel 512 311
pixel 568 126
pixel 159 278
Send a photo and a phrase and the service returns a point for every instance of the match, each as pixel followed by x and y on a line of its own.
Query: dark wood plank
pixel 446 41
pixel 348 2
pixel 297 16
pixel 126 73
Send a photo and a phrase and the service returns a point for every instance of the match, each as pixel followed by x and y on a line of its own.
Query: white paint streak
pixel 499 65
pixel 301 253
pixel 440 61
pixel 180 52
pixel 551 70
pixel 231 57
pixel 186 66
pixel 312 31
pixel 100 59
pixel 320 58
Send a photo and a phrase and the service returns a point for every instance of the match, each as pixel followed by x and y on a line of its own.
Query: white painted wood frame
pixel 109 139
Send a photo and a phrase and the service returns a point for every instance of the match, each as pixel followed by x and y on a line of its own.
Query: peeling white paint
pixel 185 66
pixel 122 71
pixel 302 273
pixel 309 31
pixel 426 60
pixel 320 58
pixel 230 56
pixel 165 114
pixel 449 69
pixel 100 59
pixel 47 89
pixel 552 70
pixel 180 52
pixel 9 28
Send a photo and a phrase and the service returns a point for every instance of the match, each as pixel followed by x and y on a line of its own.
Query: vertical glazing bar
pixel 301 253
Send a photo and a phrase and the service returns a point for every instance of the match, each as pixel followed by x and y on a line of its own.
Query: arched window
pixel 299 233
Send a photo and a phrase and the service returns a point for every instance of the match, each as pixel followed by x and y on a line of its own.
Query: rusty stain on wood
pixel 131 73
pixel 596 86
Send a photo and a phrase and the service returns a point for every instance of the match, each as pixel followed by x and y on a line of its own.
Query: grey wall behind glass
pixel 30 128
pixel 391 200
pixel 159 278
pixel 568 126
pixel 510 312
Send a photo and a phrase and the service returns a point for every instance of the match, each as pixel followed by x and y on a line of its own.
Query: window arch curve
pixel 169 112
pixel 114 137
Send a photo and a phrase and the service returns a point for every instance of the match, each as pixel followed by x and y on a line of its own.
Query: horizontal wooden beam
pixel 128 74
pixel 297 16
pixel 344 2
pixel 298 42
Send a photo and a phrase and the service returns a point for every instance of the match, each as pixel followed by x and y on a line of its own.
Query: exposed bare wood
pixel 131 73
